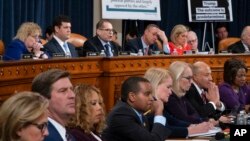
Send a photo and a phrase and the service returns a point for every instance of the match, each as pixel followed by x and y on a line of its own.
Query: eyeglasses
pixel 42 126
pixel 107 30
pixel 36 37
pixel 189 78
pixel 192 41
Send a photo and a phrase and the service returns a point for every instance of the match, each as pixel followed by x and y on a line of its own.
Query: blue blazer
pixel 14 50
pixel 54 47
pixel 53 133
pixel 134 45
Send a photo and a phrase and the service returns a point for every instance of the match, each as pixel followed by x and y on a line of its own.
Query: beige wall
pixel 117 24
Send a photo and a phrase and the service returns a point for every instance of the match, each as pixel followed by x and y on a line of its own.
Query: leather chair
pixel 225 43
pixel 43 41
pixel 1 47
pixel 77 40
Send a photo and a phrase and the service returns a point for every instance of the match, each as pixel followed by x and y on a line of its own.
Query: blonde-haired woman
pixel 178 38
pixel 89 120
pixel 26 41
pixel 178 105
pixel 24 117
pixel 161 81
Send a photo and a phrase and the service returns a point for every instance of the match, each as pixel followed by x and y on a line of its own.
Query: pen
pixel 148 111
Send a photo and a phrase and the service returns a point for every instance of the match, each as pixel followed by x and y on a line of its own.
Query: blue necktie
pixel 107 49
pixel 66 48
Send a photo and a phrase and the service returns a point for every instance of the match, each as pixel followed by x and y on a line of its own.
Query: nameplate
pixel 58 55
pixel 124 53
pixel 188 52
pixel 93 54
pixel 27 56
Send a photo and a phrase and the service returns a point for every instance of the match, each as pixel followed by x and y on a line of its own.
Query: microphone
pixel 42 49
pixel 219 136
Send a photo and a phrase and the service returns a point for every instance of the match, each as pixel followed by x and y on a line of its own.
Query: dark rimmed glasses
pixel 42 126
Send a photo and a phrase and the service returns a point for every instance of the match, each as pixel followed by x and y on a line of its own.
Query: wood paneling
pixel 106 73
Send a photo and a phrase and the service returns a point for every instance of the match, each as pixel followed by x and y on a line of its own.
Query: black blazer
pixel 134 45
pixel 54 47
pixel 236 48
pixel 205 110
pixel 125 125
pixel 94 45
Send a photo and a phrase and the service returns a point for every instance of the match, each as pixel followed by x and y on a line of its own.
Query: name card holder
pixel 58 55
pixel 90 54
pixel 124 53
pixel 27 56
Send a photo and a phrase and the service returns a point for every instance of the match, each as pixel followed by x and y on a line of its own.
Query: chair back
pixel 43 41
pixel 225 43
pixel 1 47
pixel 77 40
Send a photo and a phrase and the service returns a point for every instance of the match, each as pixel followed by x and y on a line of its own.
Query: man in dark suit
pixel 126 121
pixel 102 40
pixel 55 85
pixel 59 44
pixel 204 94
pixel 244 44
pixel 147 42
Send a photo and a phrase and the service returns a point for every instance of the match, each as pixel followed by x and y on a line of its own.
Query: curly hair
pixel 27 29
pixel 83 113
pixel 231 67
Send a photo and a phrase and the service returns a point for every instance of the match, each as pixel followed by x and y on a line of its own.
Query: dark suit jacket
pixel 53 134
pixel 134 45
pixel 236 48
pixel 94 45
pixel 206 110
pixel 80 135
pixel 124 125
pixel 54 47
pixel 182 109
pixel 178 127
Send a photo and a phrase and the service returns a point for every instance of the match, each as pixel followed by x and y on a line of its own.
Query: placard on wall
pixel 210 10
pixel 131 9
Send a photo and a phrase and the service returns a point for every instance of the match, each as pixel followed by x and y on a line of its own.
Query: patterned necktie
pixel 66 48
pixel 203 96
pixel 107 49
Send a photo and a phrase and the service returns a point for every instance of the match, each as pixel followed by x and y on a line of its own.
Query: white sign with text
pixel 131 9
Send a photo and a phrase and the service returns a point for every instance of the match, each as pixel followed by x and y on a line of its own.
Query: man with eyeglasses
pixel 148 41
pixel 193 40
pixel 204 94
pixel 102 40
pixel 56 86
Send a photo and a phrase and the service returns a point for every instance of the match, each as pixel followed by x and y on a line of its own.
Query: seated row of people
pixel 174 97
pixel 26 41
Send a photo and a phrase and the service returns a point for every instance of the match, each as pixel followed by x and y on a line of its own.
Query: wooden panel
pixel 106 73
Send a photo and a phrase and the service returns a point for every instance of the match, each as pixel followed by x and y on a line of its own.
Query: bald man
pixel 193 40
pixel 244 44
pixel 202 84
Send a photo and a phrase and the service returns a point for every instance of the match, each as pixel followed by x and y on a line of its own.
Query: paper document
pixel 211 132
